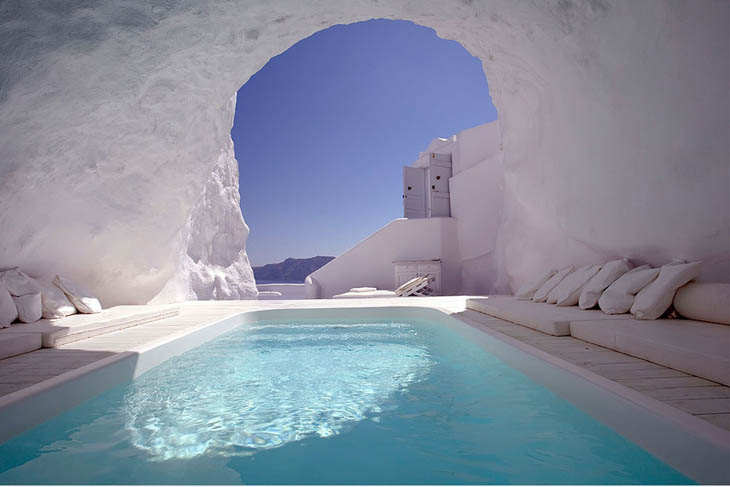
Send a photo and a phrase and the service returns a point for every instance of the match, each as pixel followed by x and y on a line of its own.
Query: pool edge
pixel 36 404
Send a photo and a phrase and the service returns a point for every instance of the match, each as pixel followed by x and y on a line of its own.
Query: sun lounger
pixel 415 287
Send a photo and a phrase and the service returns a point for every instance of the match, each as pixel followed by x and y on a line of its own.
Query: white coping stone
pixel 703 448
pixel 18 343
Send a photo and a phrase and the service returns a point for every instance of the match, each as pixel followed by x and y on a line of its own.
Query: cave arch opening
pixel 588 119
pixel 321 133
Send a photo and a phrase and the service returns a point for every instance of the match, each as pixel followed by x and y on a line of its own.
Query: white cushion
pixel 694 347
pixel 528 289
pixel 8 311
pixel 380 293
pixel 362 289
pixel 19 283
pixel 704 301
pixel 538 316
pixel 542 293
pixel 55 304
pixel 652 301
pixel 568 291
pixel 620 295
pixel 29 307
pixel 81 299
pixel 605 277
pixel 17 343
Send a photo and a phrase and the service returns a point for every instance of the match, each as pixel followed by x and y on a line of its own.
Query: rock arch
pixel 116 164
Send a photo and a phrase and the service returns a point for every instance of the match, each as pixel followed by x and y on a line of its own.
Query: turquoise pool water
pixel 330 403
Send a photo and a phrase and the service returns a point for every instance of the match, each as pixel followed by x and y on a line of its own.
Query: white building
pixel 452 201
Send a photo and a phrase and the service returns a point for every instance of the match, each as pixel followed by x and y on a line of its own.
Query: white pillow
pixel 528 289
pixel 705 301
pixel 620 295
pixel 654 299
pixel 82 300
pixel 363 289
pixel 18 283
pixel 552 296
pixel 542 293
pixel 8 311
pixel 55 304
pixel 568 291
pixel 29 307
pixel 605 277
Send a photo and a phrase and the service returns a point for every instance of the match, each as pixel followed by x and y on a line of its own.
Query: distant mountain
pixel 291 270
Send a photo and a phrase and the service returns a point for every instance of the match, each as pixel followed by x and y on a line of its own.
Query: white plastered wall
pixel 371 262
pixel 477 199
pixel 114 115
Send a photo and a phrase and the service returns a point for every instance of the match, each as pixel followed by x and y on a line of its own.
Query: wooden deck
pixel 31 368
pixel 705 399
pixel 702 398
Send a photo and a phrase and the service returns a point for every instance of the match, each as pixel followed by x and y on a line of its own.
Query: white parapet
pixel 371 262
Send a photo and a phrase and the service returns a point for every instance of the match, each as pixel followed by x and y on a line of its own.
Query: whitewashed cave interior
pixel 614 117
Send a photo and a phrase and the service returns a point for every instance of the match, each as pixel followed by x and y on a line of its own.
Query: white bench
pixel 17 343
pixel 543 317
pixel 53 333
pixel 695 347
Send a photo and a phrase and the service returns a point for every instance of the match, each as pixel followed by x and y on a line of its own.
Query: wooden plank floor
pixel 702 398
pixel 25 370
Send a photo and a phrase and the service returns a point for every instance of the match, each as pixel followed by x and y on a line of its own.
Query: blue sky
pixel 322 131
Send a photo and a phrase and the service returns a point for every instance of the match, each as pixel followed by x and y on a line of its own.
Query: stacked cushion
pixel 619 297
pixel 608 274
pixel 647 293
pixel 542 293
pixel 567 292
pixel 528 290
pixel 29 300
pixel 653 300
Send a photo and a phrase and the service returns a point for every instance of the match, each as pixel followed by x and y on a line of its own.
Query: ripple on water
pixel 265 386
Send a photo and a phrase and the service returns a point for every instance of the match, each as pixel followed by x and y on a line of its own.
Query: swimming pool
pixel 388 397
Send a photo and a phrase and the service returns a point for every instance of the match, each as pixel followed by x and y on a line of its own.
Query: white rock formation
pixel 212 262
pixel 114 115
